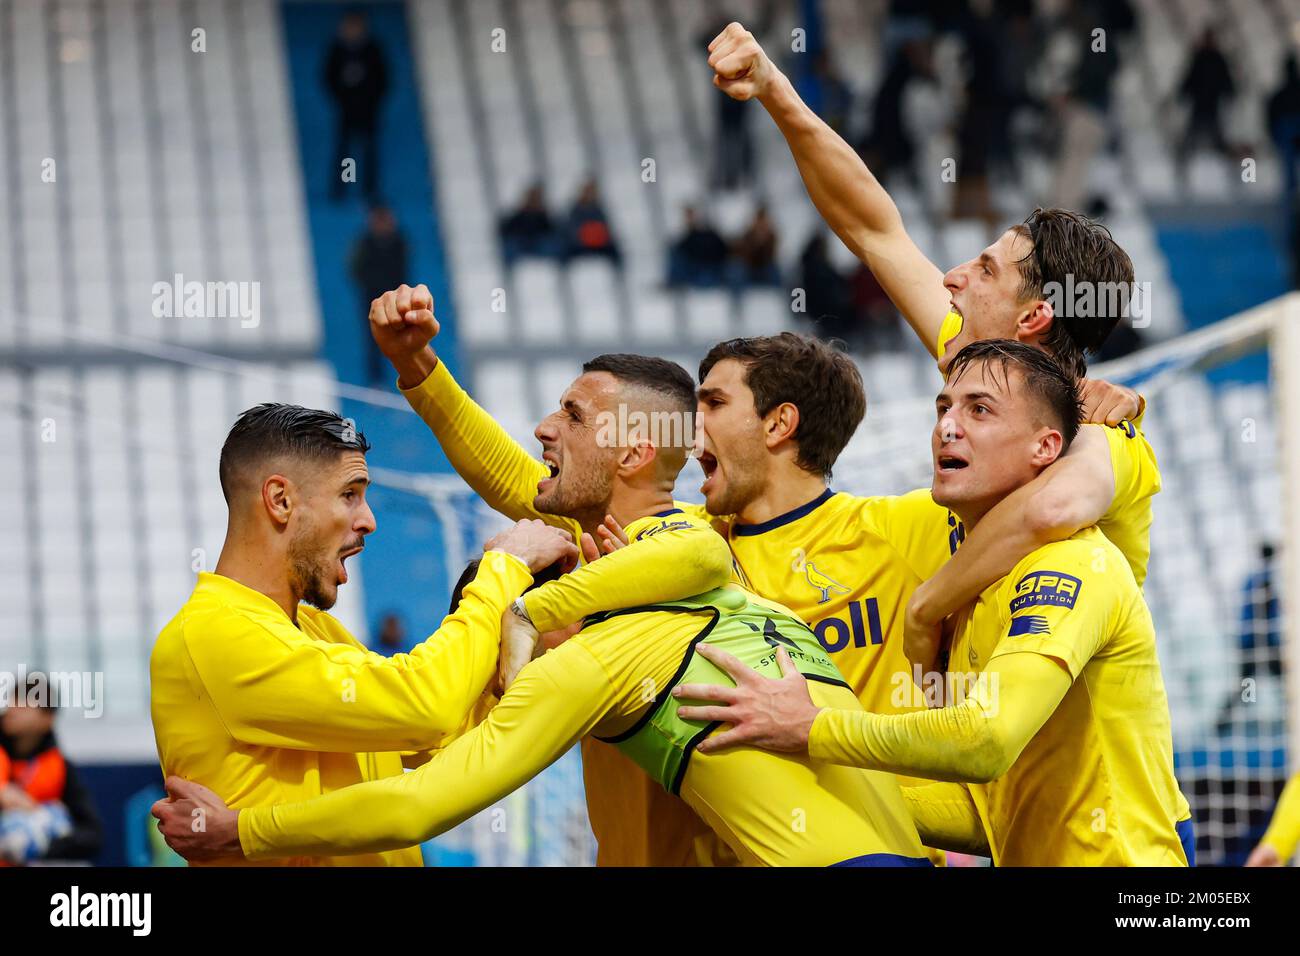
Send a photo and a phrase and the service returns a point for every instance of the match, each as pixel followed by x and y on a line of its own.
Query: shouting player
pixel 1059 747
pixel 673 554
pixel 259 692
pixel 612 680
pixel 1006 292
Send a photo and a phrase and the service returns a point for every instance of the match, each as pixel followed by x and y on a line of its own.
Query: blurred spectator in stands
pixel 46 813
pixel 1284 126
pixel 588 229
pixel 984 125
pixel 825 92
pixel 356 75
pixel 1207 83
pixel 733 143
pixel 1259 640
pixel 828 299
pixel 378 263
pixel 1083 110
pixel 391 636
pixel 877 319
pixel 529 230
pixel 889 146
pixel 755 251
pixel 699 258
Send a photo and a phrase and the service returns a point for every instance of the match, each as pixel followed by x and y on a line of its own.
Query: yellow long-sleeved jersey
pixel 770 809
pixel 1283 832
pixel 672 555
pixel 262 711
pixel 847 565
pixel 1064 745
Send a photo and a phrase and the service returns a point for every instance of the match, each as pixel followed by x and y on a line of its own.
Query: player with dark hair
pixel 1057 740
pixel 615 444
pixel 260 693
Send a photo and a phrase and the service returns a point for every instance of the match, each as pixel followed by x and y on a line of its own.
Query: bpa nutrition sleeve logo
pixel 1046 589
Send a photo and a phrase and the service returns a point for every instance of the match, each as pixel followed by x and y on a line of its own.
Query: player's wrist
pixel 777 93
pixel 923 610
pixel 414 367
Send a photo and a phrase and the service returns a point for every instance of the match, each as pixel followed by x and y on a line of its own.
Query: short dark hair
pixel 549 573
pixel 1066 243
pixel 1055 389
pixel 272 430
pixel 814 375
pixel 657 374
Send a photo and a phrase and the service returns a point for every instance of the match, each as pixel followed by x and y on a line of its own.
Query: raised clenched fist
pixel 740 67
pixel 402 321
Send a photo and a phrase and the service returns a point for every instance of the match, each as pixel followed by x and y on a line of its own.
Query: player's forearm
pixel 847 195
pixel 342 699
pixel 949 743
pixel 667 566
pixel 545 711
pixel 973 741
pixel 1284 830
pixel 946 818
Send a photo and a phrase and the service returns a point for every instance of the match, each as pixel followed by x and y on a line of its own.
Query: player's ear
pixel 781 424
pixel 639 454
pixel 1049 447
pixel 278 498
pixel 1035 323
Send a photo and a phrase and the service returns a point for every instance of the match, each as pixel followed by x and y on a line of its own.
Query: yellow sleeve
pixel 667 562
pixel 1127 522
pixel 554 701
pixel 482 452
pixel 275 690
pixel 1284 831
pixel 946 818
pixel 1058 606
pixel 974 741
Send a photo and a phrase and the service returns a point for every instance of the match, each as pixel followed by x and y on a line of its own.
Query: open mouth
pixel 949 463
pixel 710 466
pixel 343 556
pixel 552 463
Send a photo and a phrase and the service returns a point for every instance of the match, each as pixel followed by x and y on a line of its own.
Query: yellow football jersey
pixel 848 566
pixel 770 809
pixel 1095 786
pixel 260 710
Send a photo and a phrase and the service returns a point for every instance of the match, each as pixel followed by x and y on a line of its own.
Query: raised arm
pixel 554 702
pixel 848 196
pixel 492 463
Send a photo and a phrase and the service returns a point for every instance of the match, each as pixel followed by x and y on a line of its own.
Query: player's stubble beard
pixel 580 493
pixel 744 478
pixel 311 567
